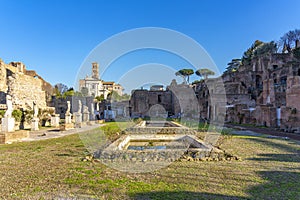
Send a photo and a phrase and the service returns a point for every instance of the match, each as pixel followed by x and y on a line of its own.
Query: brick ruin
pixel 264 92
pixel 174 101
pixel 24 86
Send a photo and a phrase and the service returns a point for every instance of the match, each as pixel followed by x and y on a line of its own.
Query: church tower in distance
pixel 95 70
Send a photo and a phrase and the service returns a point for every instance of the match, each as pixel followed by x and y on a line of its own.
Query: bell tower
pixel 95 70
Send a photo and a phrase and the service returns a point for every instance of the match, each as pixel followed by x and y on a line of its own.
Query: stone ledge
pixel 13 136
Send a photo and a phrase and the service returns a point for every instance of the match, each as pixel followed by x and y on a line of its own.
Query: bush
pixel 2 112
pixel 17 114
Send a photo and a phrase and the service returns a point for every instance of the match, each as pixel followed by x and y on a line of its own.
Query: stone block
pixel 8 124
pixel 68 118
pixel 65 127
pixel 55 121
pixel 86 116
pixel 35 124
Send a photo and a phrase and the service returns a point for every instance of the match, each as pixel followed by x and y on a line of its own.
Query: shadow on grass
pixel 279 182
pixel 279 185
pixel 278 157
pixel 292 155
pixel 181 195
pixel 290 147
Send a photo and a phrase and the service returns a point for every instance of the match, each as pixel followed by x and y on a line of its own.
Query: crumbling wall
pixel 3 86
pixel 24 90
pixel 290 114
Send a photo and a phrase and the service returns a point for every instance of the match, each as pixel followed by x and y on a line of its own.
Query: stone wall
pixel 13 136
pixel 3 85
pixel 23 85
pixel 26 89
pixel 143 100
pixel 175 100
pixel 264 92
pixel 290 114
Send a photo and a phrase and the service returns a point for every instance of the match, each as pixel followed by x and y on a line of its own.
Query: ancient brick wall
pixel 26 89
pixel 3 86
pixel 24 86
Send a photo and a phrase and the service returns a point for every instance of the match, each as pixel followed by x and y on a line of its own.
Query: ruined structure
pixel 24 86
pixel 264 92
pixel 176 100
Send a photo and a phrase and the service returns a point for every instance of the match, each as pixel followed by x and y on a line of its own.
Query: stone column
pixel 86 114
pixel 55 120
pixel 92 113
pixel 78 119
pixel 78 116
pixel 35 124
pixel 68 118
pixel 8 124
pixel 35 120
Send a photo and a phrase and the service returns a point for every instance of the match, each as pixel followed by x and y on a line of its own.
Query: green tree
pixel 185 74
pixel 100 98
pixel 69 92
pixel 247 56
pixel 265 49
pixel 204 73
pixel 234 65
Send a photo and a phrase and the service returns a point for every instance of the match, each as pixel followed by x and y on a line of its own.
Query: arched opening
pixel 258 82
pixel 275 78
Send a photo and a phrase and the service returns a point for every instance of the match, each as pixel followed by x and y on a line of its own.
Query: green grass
pixel 53 169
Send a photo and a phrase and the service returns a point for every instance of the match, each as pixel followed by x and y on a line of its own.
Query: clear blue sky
pixel 54 37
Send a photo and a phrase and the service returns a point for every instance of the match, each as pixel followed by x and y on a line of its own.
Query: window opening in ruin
pixel 159 98
pixel 283 80
pixel 275 67
pixel 258 82
pixel 274 77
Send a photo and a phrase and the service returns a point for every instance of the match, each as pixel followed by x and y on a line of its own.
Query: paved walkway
pixel 56 133
pixel 267 131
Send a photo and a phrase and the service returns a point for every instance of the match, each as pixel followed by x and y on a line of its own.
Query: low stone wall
pixel 213 154
pixel 159 130
pixel 13 136
pixel 191 149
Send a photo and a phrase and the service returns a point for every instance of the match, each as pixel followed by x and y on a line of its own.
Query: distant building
pixel 94 86
pixel 157 88
pixel 157 102
pixel 112 86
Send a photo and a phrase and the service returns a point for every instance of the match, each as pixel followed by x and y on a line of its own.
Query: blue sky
pixel 54 37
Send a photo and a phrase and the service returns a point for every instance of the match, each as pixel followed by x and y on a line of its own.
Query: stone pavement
pixel 56 133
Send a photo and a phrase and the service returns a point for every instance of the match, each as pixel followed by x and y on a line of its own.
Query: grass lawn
pixel 53 169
